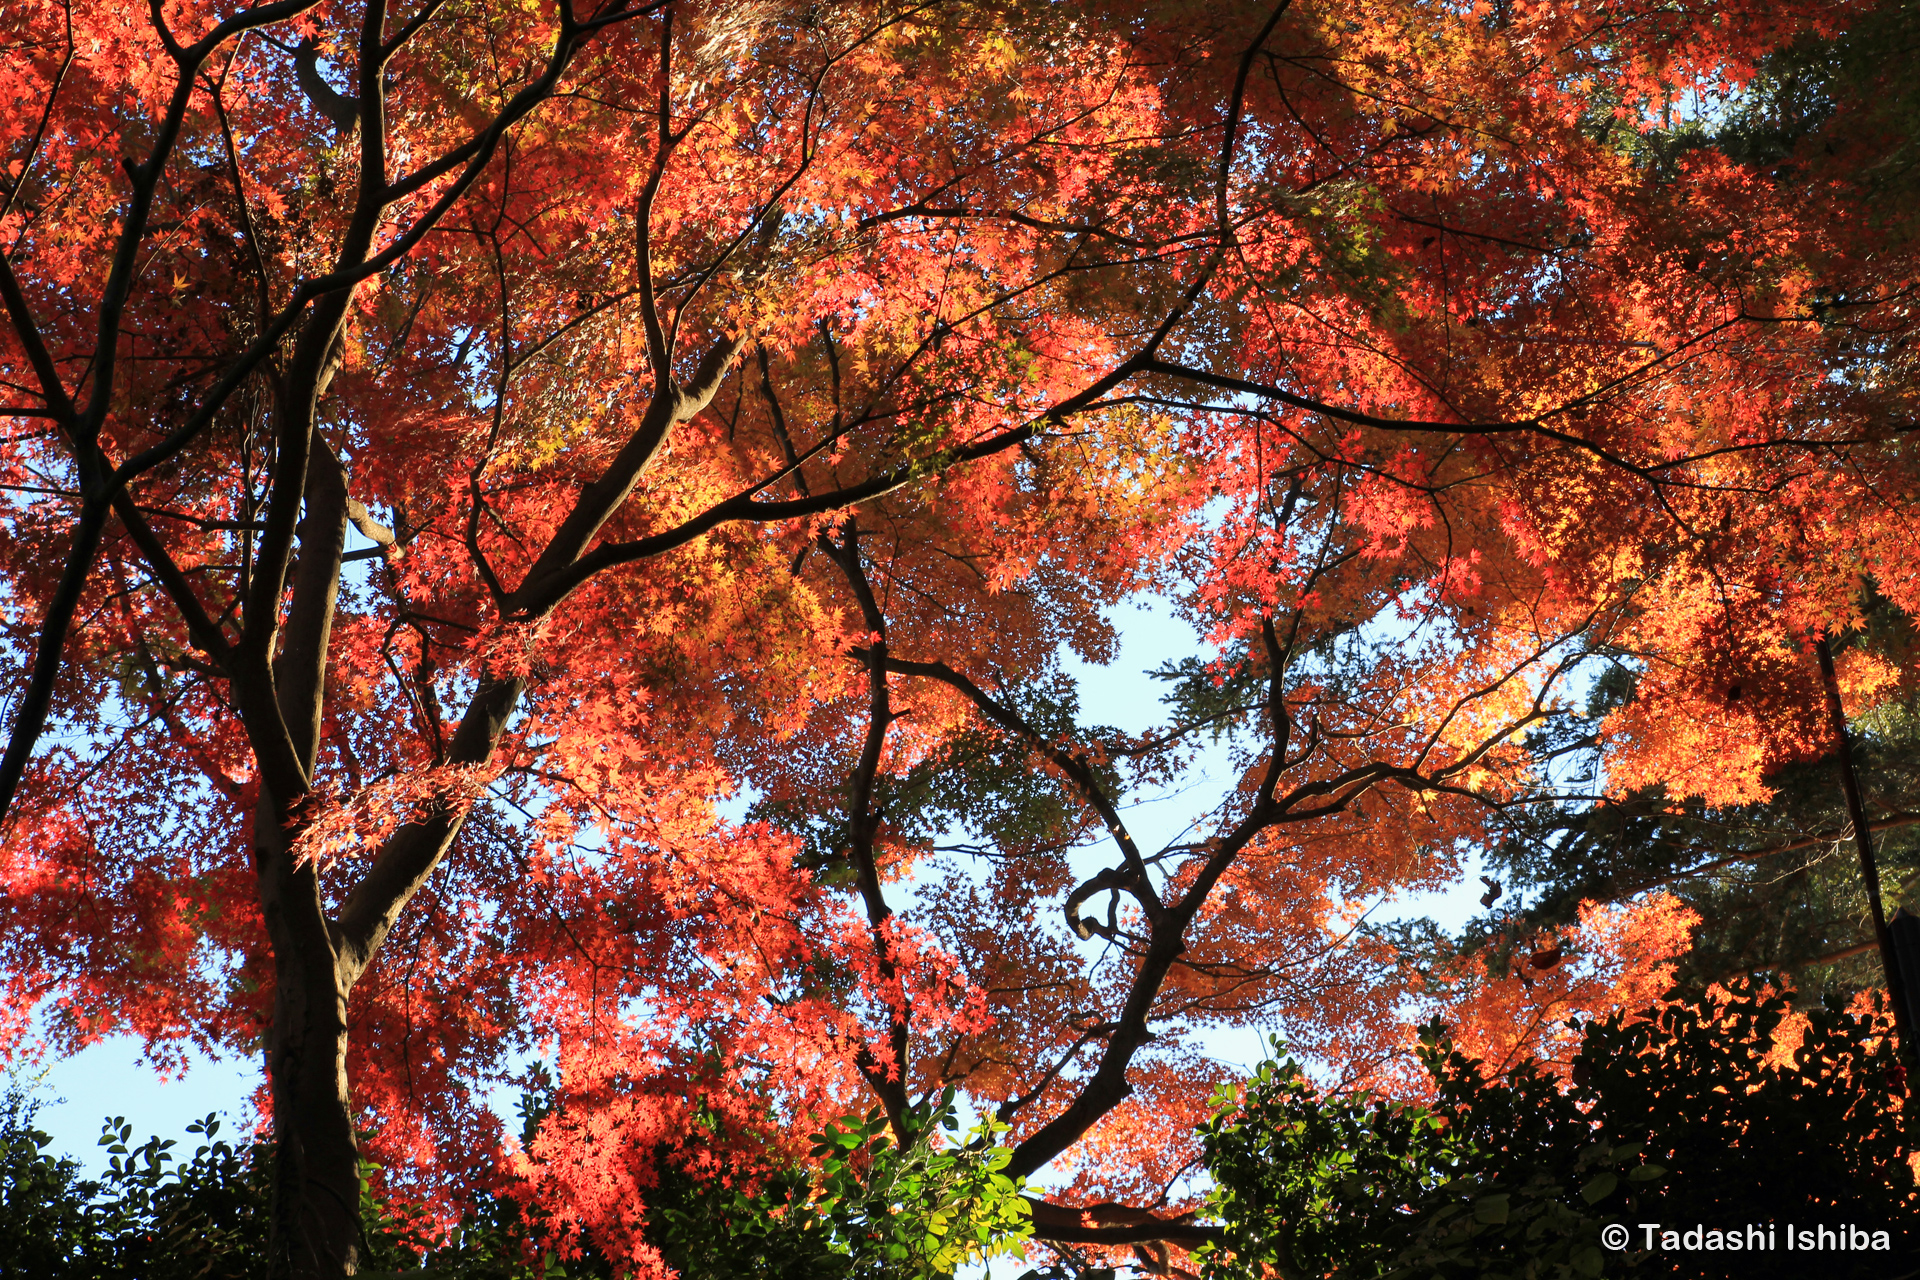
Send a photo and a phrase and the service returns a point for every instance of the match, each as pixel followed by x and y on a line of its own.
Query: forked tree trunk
pixel 315 1230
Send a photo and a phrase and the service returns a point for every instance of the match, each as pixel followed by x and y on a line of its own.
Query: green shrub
pixel 866 1209
pixel 1676 1120
pixel 869 1209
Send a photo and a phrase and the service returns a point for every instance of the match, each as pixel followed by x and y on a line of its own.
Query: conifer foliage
pixel 453 447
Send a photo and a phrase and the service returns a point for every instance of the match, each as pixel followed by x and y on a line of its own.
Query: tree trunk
pixel 315 1214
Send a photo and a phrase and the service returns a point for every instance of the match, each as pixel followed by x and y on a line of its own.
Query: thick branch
pixel 672 405
pixel 338 107
pixel 534 599
pixel 409 856
pixel 1355 417
pixel 370 529
pixel 27 330
pixel 301 668
pixel 36 700
pixel 1115 1224
pixel 204 631
pixel 863 821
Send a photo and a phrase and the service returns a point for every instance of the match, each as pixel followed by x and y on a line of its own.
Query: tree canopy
pixel 548 529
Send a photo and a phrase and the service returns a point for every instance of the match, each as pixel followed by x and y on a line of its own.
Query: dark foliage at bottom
pixel 1676 1120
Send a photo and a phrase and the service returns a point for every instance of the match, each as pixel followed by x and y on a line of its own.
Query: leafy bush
pixel 1677 1119
pixel 42 1201
pixel 154 1217
pixel 869 1209
pixel 147 1217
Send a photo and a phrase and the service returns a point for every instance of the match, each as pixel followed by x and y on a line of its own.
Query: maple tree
pixel 453 451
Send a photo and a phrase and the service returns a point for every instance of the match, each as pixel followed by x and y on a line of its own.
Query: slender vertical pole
pixel 1863 841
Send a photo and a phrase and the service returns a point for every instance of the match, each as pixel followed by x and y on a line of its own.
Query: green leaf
pixel 1646 1173
pixel 1490 1209
pixel 1599 1188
